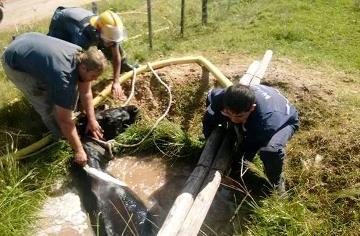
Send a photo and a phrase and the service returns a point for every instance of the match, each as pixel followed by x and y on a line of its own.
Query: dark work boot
pixel 125 66
pixel 280 188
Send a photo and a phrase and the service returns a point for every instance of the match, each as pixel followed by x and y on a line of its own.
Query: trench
pixel 154 179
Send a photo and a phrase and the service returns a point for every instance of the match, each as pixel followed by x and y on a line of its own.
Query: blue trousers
pixel 273 154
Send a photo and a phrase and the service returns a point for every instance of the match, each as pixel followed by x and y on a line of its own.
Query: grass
pixel 25 185
pixel 279 217
pixel 323 199
pixel 168 138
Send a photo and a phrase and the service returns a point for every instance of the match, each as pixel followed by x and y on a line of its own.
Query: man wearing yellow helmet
pixel 83 28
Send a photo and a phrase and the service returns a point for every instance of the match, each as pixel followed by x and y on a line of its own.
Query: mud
pixel 63 215
pixel 158 182
pixel 154 179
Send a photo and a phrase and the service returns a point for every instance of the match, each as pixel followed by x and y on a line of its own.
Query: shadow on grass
pixel 193 104
pixel 20 125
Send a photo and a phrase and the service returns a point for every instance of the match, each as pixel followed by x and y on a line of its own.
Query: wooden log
pixel 260 73
pixel 256 70
pixel 184 201
pixel 248 77
pixel 202 203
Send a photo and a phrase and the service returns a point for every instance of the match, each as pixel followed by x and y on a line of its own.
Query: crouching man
pixel 52 74
pixel 263 118
pixel 82 27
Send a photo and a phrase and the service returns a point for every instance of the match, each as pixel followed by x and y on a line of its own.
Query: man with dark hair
pixel 83 28
pixel 52 74
pixel 263 118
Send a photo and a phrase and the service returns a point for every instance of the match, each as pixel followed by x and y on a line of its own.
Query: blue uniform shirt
pixel 72 25
pixel 273 112
pixel 49 60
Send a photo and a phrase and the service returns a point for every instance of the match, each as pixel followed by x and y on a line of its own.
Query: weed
pixel 324 196
pixel 168 138
pixel 279 216
pixel 25 185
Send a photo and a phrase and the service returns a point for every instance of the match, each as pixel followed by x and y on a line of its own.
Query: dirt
pixel 18 12
pixel 152 97
pixel 163 182
pixel 295 81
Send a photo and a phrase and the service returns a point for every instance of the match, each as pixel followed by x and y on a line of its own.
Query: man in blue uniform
pixel 52 74
pixel 83 28
pixel 262 117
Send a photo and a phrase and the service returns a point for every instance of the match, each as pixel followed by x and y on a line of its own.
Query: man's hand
pixel 68 129
pixel 95 129
pixel 117 91
pixel 80 158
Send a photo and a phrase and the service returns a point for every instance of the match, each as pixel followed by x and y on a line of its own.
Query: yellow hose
pixel 225 82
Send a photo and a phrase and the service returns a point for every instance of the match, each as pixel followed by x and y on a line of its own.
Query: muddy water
pixel 63 215
pixel 156 181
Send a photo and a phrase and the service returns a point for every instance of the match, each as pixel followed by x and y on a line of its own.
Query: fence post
pixel 204 15
pixel 149 23
pixel 94 8
pixel 182 20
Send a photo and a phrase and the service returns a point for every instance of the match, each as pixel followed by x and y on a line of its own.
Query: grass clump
pixel 168 138
pixel 278 216
pixel 23 187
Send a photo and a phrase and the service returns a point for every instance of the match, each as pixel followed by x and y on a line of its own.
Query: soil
pixel 295 81
pixel 18 12
pixel 163 182
pixel 298 82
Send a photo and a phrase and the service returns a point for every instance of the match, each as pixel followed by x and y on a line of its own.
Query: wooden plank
pixel 248 77
pixel 260 73
pixel 256 71
pixel 184 201
pixel 203 201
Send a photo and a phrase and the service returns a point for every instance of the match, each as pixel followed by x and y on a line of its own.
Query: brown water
pixel 153 179
pixel 156 181
pixel 63 215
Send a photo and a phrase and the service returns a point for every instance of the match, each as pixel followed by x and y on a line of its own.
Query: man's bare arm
pixel 86 99
pixel 116 63
pixel 68 129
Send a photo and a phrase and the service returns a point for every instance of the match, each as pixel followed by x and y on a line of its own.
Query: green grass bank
pixel 324 199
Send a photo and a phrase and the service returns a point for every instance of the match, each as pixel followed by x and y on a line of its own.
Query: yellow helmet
pixel 110 26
